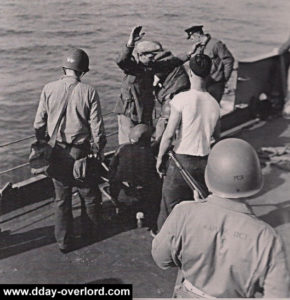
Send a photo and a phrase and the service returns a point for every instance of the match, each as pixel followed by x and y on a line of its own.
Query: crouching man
pixel 221 248
pixel 134 163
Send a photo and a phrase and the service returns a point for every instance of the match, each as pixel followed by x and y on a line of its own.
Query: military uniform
pixel 83 121
pixel 222 61
pixel 136 101
pixel 223 250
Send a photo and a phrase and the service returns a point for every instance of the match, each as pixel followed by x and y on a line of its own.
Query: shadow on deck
pixel 120 253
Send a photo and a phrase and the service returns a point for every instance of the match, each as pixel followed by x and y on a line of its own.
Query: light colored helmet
pixel 148 47
pixel 233 169
pixel 140 132
pixel 76 59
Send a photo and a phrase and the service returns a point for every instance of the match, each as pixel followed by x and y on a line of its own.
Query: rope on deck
pixel 17 141
pixel 26 164
pixel 14 168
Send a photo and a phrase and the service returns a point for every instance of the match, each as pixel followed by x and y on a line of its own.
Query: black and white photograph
pixel 145 148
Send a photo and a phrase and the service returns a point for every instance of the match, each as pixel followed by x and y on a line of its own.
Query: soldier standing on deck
pixel 81 122
pixel 222 60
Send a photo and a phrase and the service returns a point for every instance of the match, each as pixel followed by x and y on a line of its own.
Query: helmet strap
pixel 80 74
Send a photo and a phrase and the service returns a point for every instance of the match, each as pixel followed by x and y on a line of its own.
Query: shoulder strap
pixel 52 140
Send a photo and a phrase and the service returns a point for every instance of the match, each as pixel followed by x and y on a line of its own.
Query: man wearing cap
pixel 75 106
pixel 196 114
pixel 134 163
pixel 222 59
pixel 136 101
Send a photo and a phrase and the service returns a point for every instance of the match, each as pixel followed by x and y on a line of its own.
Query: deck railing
pixel 22 171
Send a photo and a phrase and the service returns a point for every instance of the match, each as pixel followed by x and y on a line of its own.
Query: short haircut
pixel 200 65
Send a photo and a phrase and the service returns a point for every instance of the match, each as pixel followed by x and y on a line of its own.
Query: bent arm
pixel 125 60
pixel 169 133
pixel 97 125
pixel 40 122
pixel 165 246
pixel 227 58
pixel 165 61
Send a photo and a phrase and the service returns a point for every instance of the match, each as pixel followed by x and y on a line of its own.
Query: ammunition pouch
pixel 39 158
pixel 86 168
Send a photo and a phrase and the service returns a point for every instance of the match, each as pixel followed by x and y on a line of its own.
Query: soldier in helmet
pixel 221 248
pixel 134 163
pixel 136 101
pixel 81 122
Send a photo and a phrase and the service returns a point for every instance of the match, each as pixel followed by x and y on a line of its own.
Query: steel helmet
pixel 140 132
pixel 76 59
pixel 233 169
pixel 148 47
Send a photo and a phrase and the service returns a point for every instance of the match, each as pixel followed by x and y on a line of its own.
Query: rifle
pixel 193 184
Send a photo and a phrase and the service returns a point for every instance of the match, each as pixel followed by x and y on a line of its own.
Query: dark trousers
pixel 175 189
pixel 63 158
pixel 216 89
pixel 148 196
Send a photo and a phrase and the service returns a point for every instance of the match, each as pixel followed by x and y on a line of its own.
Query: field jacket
pixel 137 100
pixel 223 249
pixel 83 120
pixel 222 59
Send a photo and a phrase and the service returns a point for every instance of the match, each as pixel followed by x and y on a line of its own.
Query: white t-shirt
pixel 200 113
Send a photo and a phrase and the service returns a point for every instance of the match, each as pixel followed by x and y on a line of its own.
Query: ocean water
pixel 35 33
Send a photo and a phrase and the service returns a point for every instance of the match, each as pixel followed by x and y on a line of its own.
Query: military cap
pixel 193 29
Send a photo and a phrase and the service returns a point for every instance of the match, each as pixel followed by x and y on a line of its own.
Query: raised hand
pixel 135 36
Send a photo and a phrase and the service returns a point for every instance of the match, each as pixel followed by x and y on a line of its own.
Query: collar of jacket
pixel 206 39
pixel 69 78
pixel 237 206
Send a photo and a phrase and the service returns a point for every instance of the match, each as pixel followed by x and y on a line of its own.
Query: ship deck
pixel 121 252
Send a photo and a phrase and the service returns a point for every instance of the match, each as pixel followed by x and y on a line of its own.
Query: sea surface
pixel 35 33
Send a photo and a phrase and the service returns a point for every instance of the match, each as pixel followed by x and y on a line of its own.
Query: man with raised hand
pixel 140 61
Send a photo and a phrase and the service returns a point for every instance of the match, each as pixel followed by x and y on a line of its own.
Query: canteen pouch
pixel 39 158
pixel 80 169
pixel 86 168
